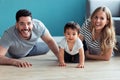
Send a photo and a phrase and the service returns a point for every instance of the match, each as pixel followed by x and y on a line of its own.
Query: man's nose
pixel 26 26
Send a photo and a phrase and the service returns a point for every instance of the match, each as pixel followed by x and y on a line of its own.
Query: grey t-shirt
pixel 18 46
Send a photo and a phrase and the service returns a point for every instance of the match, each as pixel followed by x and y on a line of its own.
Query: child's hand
pixel 80 66
pixel 62 64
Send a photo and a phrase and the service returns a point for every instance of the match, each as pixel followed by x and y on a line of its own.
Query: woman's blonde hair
pixel 107 38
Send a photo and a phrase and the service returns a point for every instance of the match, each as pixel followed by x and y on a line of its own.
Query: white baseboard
pixel 56 38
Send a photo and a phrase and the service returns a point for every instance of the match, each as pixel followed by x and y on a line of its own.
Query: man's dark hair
pixel 24 13
pixel 72 25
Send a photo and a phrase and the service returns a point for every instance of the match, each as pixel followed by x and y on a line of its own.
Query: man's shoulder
pixel 10 29
pixel 36 21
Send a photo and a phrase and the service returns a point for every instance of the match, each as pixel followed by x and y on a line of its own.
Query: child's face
pixel 99 20
pixel 71 34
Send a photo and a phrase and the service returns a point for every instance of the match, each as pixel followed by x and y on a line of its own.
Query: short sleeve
pixel 62 43
pixel 5 40
pixel 80 44
pixel 40 28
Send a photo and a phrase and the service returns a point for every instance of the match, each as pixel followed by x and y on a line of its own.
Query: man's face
pixel 24 26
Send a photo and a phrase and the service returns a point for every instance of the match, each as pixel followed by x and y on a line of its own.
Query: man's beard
pixel 25 33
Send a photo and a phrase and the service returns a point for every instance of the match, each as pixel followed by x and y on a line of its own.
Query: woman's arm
pixel 106 56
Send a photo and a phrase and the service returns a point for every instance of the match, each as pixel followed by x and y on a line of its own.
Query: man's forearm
pixel 54 47
pixel 6 61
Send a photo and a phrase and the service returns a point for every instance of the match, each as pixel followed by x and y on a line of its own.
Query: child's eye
pixel 73 34
pixel 68 34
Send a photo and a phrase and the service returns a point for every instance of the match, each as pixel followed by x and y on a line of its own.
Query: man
pixel 21 40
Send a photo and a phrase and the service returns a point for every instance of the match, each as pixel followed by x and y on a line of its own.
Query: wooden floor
pixel 45 67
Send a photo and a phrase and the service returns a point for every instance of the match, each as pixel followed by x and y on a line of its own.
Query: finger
pixel 80 66
pixel 28 64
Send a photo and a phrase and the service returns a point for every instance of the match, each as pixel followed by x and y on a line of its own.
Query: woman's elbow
pixel 106 58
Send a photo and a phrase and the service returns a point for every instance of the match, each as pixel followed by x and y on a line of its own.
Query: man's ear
pixel 16 24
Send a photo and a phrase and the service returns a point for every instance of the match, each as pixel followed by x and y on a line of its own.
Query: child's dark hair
pixel 24 13
pixel 73 25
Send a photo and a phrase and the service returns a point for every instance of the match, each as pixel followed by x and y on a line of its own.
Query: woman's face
pixel 99 20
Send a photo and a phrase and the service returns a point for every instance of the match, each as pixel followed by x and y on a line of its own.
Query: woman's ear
pixel 107 22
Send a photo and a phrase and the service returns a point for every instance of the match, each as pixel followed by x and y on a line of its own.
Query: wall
pixel 53 13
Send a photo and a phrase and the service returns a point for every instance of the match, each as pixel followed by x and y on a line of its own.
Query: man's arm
pixel 9 61
pixel 51 43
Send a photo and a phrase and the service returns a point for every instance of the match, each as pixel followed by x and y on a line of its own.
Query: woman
pixel 99 34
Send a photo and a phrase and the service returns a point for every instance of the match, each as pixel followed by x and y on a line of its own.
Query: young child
pixel 71 47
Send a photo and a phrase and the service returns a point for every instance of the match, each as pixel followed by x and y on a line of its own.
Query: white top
pixel 78 44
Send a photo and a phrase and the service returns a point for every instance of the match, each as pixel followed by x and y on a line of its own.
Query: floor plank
pixel 45 67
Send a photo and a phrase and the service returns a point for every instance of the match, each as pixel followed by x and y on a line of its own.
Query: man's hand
pixel 20 63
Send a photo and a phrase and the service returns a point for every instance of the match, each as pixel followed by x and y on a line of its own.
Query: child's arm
pixel 81 58
pixel 61 57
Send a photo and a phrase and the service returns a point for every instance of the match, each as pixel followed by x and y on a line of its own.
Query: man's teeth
pixel 25 31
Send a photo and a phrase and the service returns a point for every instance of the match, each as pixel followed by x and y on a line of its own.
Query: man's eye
pixel 29 23
pixel 22 24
